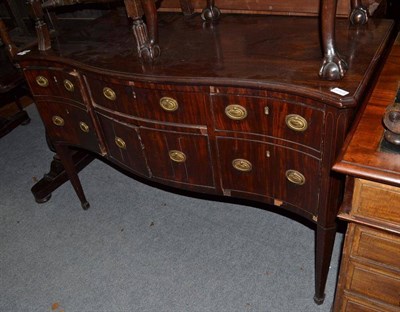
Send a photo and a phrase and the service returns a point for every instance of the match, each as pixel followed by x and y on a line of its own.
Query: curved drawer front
pixel 269 170
pixel 58 83
pixel 288 121
pixel 68 123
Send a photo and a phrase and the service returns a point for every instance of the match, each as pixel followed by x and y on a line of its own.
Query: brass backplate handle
pixel 68 85
pixel 242 165
pixel 169 104
pixel 58 121
pixel 84 127
pixel 109 93
pixel 236 112
pixel 120 143
pixel 42 81
pixel 177 156
pixel 296 122
pixel 295 177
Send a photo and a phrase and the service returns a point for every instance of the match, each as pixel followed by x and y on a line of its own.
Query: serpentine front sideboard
pixel 224 110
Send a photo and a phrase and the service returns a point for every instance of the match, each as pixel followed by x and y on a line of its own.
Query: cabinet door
pixel 178 157
pixel 68 123
pixel 123 145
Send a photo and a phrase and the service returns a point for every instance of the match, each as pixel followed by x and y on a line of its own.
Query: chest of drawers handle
pixel 42 81
pixel 120 143
pixel 68 85
pixel 169 104
pixel 109 93
pixel 242 165
pixel 236 112
pixel 177 156
pixel 58 121
pixel 295 177
pixel 296 122
pixel 84 127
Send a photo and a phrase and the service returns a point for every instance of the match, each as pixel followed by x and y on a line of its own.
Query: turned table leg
pixel 43 34
pixel 333 65
pixel 211 12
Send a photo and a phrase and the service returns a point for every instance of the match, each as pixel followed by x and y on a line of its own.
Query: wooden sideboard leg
pixel 211 12
pixel 324 240
pixel 43 34
pixel 359 14
pixel 66 157
pixel 333 65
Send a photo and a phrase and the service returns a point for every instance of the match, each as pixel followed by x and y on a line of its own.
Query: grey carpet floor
pixel 141 248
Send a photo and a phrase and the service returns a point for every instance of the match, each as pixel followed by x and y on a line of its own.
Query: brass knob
pixel 177 156
pixel 58 121
pixel 120 143
pixel 109 93
pixel 236 112
pixel 69 85
pixel 42 81
pixel 242 165
pixel 169 104
pixel 296 122
pixel 84 127
pixel 295 177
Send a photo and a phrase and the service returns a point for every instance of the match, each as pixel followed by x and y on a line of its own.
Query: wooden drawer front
pixel 351 305
pixel 178 157
pixel 68 123
pixel 269 170
pixel 376 284
pixel 54 83
pixel 288 121
pixel 113 96
pixel 172 106
pixel 376 201
pixel 381 247
pixel 123 145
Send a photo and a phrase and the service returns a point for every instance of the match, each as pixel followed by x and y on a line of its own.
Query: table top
pixel 280 53
pixel 362 155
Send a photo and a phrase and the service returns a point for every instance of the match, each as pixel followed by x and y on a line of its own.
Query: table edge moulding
pixel 223 110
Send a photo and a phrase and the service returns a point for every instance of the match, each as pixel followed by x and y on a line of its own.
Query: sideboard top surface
pixel 279 53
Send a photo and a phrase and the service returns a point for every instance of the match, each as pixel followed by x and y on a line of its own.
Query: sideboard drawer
pixel 269 170
pixel 179 157
pixel 57 83
pixel 271 117
pixel 68 123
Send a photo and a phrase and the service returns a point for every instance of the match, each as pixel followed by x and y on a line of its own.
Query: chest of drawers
pixel 226 120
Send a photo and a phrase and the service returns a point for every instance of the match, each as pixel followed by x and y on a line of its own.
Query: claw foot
pixel 333 68
pixel 210 14
pixel 359 16
pixel 149 52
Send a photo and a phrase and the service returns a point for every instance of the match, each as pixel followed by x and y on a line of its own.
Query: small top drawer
pixel 267 116
pixel 59 83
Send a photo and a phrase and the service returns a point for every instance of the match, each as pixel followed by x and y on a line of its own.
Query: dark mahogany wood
pixel 246 117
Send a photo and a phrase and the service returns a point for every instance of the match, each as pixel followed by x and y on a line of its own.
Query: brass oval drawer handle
pixel 169 104
pixel 42 81
pixel 58 121
pixel 295 177
pixel 84 127
pixel 236 112
pixel 120 143
pixel 296 122
pixel 242 165
pixel 109 93
pixel 68 85
pixel 177 156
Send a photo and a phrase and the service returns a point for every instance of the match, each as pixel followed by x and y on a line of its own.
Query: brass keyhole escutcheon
pixel 42 81
pixel 296 122
pixel 295 177
pixel 169 104
pixel 177 156
pixel 68 85
pixel 120 143
pixel 236 112
pixel 84 127
pixel 242 165
pixel 58 121
pixel 109 93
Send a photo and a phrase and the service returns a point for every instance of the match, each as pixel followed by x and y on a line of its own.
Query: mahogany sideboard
pixel 224 110
pixel 369 279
